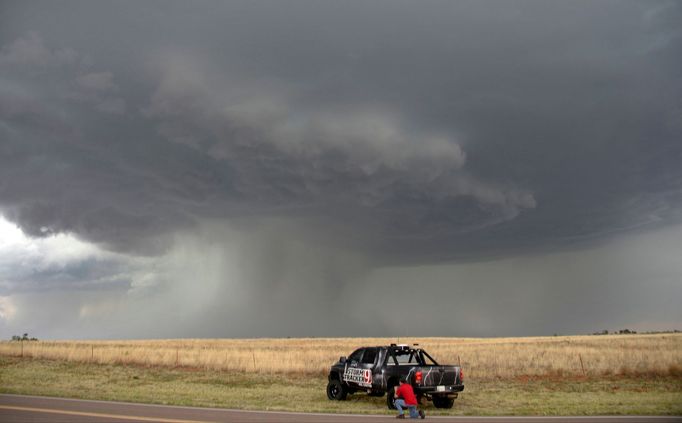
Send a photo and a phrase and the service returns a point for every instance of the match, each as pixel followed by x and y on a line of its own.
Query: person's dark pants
pixel 400 404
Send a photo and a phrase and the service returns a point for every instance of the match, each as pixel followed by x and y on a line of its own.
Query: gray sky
pixel 308 168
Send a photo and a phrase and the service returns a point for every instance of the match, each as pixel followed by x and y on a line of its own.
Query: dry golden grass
pixel 659 354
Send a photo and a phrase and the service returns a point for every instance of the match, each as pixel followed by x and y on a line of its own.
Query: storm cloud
pixel 275 168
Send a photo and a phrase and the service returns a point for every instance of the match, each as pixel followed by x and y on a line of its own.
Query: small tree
pixel 24 337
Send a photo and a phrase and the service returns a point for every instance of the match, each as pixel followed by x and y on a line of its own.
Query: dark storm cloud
pixel 380 132
pixel 428 126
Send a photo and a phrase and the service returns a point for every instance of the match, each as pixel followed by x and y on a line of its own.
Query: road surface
pixel 31 409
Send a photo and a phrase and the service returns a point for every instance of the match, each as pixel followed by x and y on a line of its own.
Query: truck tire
pixel 336 390
pixel 443 402
pixel 390 401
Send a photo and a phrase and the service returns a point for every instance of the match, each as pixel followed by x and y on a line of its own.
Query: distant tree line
pixel 629 332
pixel 24 337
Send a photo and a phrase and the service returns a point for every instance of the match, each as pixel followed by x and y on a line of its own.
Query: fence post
pixel 253 354
pixel 22 348
pixel 92 353
pixel 459 363
pixel 581 363
pixel 177 356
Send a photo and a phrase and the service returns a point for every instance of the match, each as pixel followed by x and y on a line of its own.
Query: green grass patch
pixel 611 395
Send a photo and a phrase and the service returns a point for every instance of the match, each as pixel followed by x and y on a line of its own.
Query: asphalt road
pixel 19 408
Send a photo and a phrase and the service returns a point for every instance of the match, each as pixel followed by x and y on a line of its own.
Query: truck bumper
pixel 433 390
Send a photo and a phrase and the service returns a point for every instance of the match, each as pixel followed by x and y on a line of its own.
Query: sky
pixel 322 168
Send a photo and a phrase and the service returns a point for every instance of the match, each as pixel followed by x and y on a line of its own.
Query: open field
pixel 486 358
pixel 575 395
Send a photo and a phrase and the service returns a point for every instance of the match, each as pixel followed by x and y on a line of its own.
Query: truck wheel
pixel 443 402
pixel 390 401
pixel 336 390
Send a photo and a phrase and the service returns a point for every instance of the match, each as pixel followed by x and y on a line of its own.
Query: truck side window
pixel 370 356
pixel 356 355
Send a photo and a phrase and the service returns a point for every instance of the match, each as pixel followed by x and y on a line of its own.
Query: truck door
pixel 368 365
pixel 356 373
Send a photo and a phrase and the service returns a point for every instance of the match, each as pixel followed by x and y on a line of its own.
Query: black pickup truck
pixel 377 371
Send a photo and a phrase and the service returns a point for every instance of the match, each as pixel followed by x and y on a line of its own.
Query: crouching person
pixel 405 398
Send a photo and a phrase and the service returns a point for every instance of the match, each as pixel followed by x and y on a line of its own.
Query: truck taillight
pixel 418 377
pixel 461 375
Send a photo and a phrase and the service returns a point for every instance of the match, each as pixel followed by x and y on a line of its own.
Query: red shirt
pixel 406 392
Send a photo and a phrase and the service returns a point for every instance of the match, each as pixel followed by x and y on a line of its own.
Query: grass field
pixel 611 395
pixel 483 358
pixel 620 374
